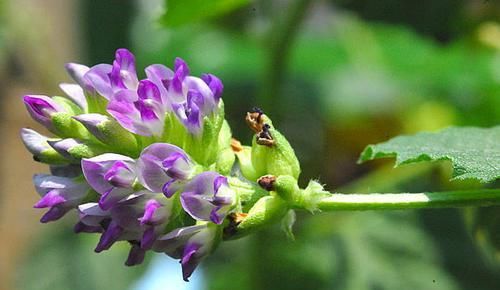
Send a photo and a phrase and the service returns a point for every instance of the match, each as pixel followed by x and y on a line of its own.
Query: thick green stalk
pixel 392 201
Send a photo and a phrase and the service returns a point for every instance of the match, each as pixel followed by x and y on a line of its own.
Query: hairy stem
pixel 392 201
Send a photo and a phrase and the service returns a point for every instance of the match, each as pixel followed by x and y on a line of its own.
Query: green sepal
pixel 287 223
pixel 50 156
pixel 225 135
pixel 248 192
pixel 225 157
pixel 174 131
pixel 225 161
pixel 205 149
pixel 287 188
pixel 86 150
pixel 67 127
pixel 277 159
pixel 68 105
pixel 309 197
pixel 245 163
pixel 266 211
pixel 96 104
pixel 119 139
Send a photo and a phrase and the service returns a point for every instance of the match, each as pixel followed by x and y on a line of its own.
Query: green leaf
pixel 181 12
pixel 474 152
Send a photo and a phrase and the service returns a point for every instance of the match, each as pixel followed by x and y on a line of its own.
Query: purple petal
pixel 109 237
pixel 112 196
pixel 148 90
pixel 91 214
pixel 215 85
pixel 205 100
pixel 146 110
pixel 171 187
pixel 52 198
pixel 189 260
pixel 207 197
pixel 158 73
pixel 53 214
pixel 77 73
pixel 98 76
pixel 136 255
pixel 181 68
pixel 139 117
pixel 69 191
pixel 126 63
pixel 34 142
pixel 75 94
pixel 181 72
pixel 152 174
pixel 95 169
pixel 83 228
pixel 149 212
pixel 189 116
pixel 148 238
pixel 196 205
pixel 173 243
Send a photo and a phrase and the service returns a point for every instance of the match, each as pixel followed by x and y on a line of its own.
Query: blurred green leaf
pixel 342 251
pixel 181 12
pixel 474 152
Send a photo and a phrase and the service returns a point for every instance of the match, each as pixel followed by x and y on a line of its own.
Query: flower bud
pixel 266 211
pixel 77 73
pixel 108 131
pixel 42 108
pixel 74 150
pixel 271 153
pixel 75 94
pixel 41 150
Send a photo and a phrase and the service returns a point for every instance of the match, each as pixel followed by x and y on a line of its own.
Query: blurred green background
pixel 334 76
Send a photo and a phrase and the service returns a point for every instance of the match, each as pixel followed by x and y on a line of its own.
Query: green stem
pixel 392 201
pixel 280 41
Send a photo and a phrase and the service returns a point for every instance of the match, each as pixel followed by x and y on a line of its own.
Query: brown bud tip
pixel 264 136
pixel 254 119
pixel 267 182
pixel 236 145
pixel 234 220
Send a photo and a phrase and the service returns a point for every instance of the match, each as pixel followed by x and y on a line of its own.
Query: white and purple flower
pixel 59 194
pixel 208 197
pixel 164 168
pixel 112 176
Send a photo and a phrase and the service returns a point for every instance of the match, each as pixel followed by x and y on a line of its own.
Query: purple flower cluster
pixel 111 162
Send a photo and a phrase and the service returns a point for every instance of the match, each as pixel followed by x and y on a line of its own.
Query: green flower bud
pixel 272 154
pixel 75 150
pixel 68 127
pixel 265 212
pixel 109 132
pixel 41 150
pixel 244 154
